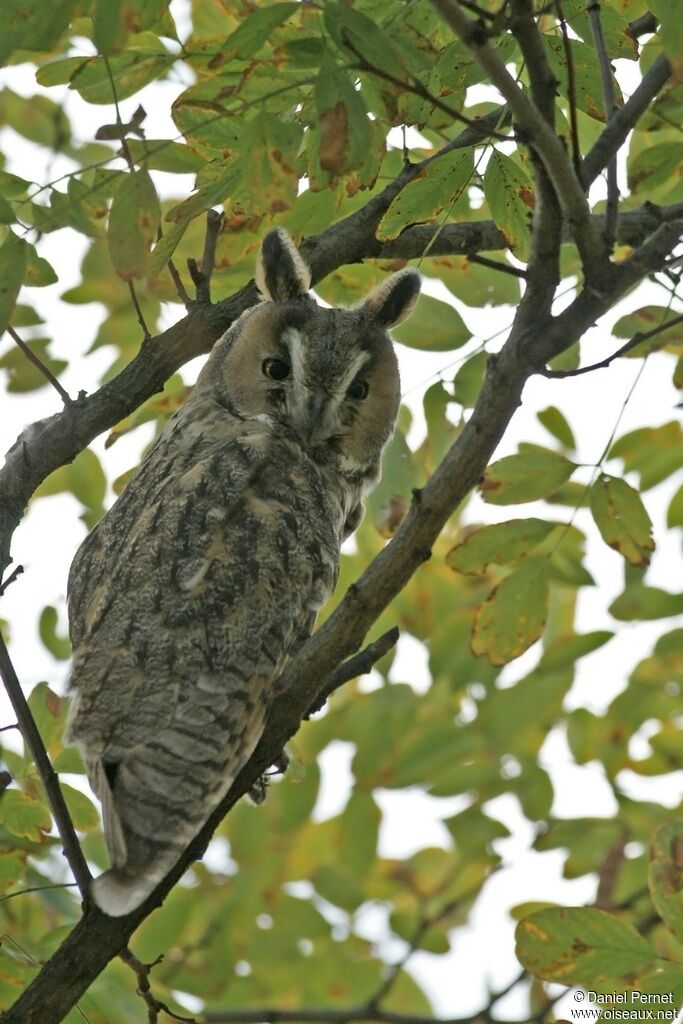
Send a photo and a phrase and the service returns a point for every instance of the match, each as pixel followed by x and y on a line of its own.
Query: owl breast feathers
pixel 187 598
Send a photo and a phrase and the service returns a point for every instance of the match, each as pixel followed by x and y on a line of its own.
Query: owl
pixel 187 598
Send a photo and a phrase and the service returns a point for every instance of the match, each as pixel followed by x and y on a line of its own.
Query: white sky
pixel 482 952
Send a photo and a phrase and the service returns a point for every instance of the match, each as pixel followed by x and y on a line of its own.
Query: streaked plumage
pixel 187 597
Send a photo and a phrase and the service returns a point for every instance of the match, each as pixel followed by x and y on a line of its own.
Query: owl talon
pixel 259 790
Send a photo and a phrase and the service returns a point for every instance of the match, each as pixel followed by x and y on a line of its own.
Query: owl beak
pixel 310 424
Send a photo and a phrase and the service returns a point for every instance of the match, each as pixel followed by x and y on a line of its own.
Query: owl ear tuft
pixel 281 273
pixel 392 301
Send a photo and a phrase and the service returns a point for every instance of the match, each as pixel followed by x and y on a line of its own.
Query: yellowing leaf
pixel 581 946
pixel 513 616
pixel 501 544
pixel 622 520
pixel 525 477
pixel 434 189
pixel 509 193
pixel 133 224
pixel 22 816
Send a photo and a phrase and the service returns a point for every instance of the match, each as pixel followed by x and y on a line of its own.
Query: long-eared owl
pixel 210 568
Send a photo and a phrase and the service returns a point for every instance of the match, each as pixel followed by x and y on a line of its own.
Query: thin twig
pixel 48 775
pixel 125 149
pixel 631 343
pixel 503 268
pixel 33 358
pixel 138 310
pixel 179 286
pixel 15 573
pixel 608 97
pixel 201 275
pixel 154 1006
pixel 358 665
pixel 571 87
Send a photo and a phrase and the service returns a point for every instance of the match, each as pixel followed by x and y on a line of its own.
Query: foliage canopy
pixel 304 115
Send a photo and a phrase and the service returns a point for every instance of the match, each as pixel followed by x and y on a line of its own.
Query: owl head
pixel 327 375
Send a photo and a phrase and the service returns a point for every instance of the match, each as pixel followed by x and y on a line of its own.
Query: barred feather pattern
pixel 188 597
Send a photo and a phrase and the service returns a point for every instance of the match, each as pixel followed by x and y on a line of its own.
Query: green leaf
pixel 33 25
pixel 165 247
pixel 566 649
pixel 525 477
pixel 84 479
pixel 510 195
pixel 144 59
pixel 501 544
pixel 38 271
pixel 666 875
pixel 671 34
pixel 22 816
pixel 622 520
pixel 58 646
pixel 556 424
pixel 255 30
pixel 653 452
pixel 581 946
pixel 23 375
pixel 84 814
pixel 513 616
pixel 585 75
pixel 469 379
pixel 435 188
pixel 209 194
pixel 640 602
pixel 165 155
pixel 133 224
pixel 656 167
pixel 674 516
pixel 388 503
pixel 341 139
pixel 435 326
pixel 646 319
pixel 13 260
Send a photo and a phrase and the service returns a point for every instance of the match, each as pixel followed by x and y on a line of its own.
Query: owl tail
pixel 119 892
pixel 139 863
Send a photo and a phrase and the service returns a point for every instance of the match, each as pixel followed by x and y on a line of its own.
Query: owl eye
pixel 276 369
pixel 358 390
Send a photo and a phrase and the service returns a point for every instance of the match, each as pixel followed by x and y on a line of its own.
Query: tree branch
pixel 201 275
pixel 540 137
pixel 607 78
pixel 32 739
pixel 637 339
pixel 625 118
pixel 97 938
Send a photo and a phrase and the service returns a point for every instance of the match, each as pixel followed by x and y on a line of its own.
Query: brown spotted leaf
pixel 133 224
pixel 665 877
pixel 622 520
pixel 514 614
pixel 581 946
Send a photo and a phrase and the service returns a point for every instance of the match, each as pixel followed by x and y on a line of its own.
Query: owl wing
pixel 184 606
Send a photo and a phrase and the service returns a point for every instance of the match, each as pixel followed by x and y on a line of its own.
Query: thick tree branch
pixel 540 137
pixel 543 272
